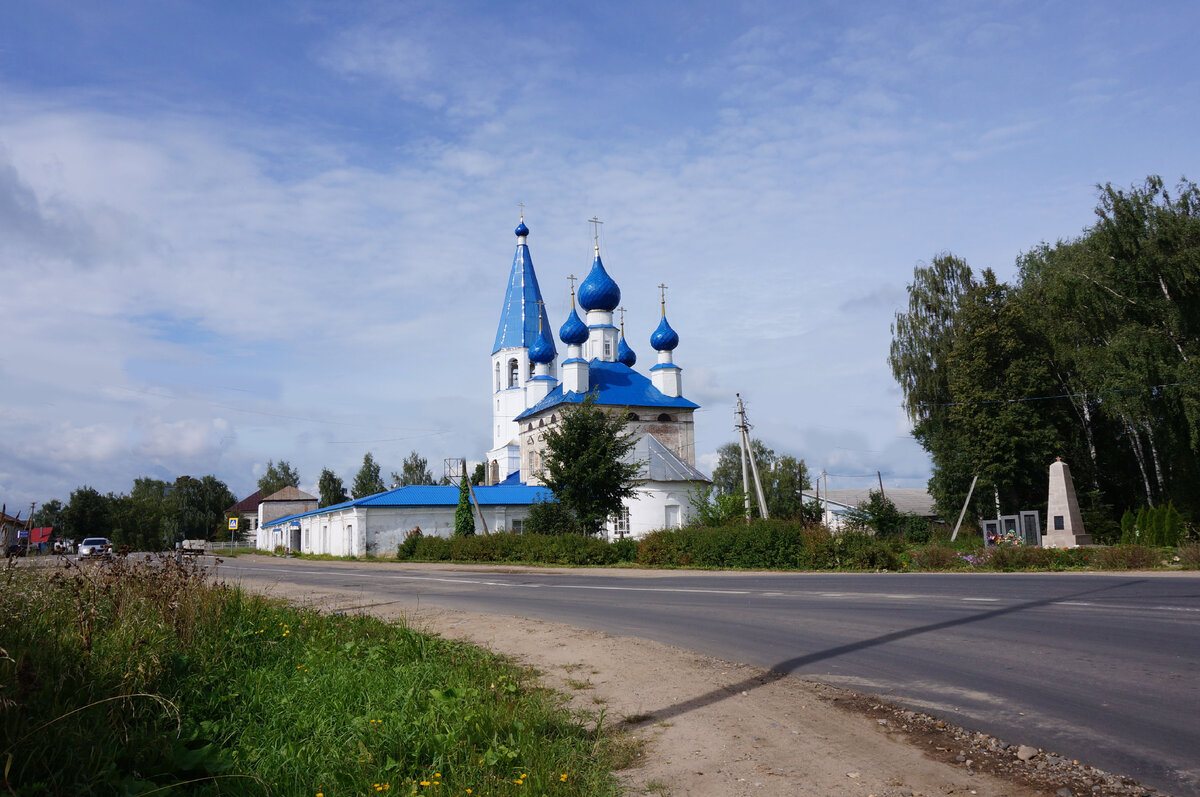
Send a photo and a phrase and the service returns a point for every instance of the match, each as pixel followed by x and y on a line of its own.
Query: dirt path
pixel 714 728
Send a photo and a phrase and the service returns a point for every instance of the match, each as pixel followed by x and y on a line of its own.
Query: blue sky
pixel 239 232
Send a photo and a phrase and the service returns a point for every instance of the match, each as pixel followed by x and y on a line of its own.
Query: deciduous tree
pixel 331 488
pixel 367 482
pixel 414 470
pixel 277 477
pixel 585 463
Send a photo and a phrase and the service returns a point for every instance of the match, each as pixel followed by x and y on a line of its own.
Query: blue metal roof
pixel 510 493
pixel 447 495
pixel 613 384
pixel 519 318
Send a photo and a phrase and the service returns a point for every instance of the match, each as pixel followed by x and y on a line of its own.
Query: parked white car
pixel 95 548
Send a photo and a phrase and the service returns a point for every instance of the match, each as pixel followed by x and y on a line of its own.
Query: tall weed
pixel 147 676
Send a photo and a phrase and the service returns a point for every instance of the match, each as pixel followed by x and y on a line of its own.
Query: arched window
pixel 664 418
pixel 632 416
pixel 514 373
pixel 553 418
pixel 497 375
pixel 541 423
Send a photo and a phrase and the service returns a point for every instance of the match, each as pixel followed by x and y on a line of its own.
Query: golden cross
pixel 572 278
pixel 662 289
pixel 595 222
pixel 522 204
pixel 621 310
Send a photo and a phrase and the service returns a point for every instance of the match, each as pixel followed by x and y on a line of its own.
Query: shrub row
pixel 562 549
pixel 782 545
pixel 766 545
pixel 937 556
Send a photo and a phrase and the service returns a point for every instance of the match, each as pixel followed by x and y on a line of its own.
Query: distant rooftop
pixel 290 493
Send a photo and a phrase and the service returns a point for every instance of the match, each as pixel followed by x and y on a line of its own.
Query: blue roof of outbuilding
pixel 613 384
pixel 509 493
pixel 519 318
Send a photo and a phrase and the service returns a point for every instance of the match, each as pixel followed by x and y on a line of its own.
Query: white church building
pixel 529 389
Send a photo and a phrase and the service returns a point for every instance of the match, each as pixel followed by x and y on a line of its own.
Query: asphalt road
pixel 1103 668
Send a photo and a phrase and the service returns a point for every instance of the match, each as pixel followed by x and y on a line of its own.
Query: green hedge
pixel 765 545
pixel 780 545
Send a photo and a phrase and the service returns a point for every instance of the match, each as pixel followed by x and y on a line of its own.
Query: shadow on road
pixel 789 666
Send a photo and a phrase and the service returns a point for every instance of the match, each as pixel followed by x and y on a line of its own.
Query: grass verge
pixel 140 677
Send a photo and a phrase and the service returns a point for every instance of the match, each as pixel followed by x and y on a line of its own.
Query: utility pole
pixel 471 490
pixel 748 455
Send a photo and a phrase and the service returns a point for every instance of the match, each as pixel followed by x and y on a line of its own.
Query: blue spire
pixel 599 291
pixel 522 311
pixel 664 338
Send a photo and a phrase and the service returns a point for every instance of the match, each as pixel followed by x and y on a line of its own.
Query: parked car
pixel 95 548
pixel 16 549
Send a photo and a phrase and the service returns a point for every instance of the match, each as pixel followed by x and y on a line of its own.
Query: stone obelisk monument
pixel 1064 526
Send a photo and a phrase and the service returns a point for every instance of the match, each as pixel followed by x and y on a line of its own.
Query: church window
pixel 632 416
pixel 553 418
pixel 620 523
pixel 517 527
pixel 608 349
pixel 664 418
pixel 514 373
pixel 541 423
pixel 497 381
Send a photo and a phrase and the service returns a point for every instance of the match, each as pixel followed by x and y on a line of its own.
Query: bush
pixel 935 557
pixel 410 544
pixel 1128 557
pixel 1189 555
pixel 916 529
pixel 853 550
pixel 551 517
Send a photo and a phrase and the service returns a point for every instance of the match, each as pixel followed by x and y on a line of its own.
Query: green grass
pixel 142 678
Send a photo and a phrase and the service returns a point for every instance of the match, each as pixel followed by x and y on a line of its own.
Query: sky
pixel 240 232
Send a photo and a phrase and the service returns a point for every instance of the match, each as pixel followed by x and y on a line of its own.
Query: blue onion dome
pixel 521 229
pixel 599 291
pixel 542 350
pixel 625 355
pixel 574 332
pixel 664 338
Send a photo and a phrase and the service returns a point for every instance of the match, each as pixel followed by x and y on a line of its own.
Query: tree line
pixel 1092 354
pixel 153 515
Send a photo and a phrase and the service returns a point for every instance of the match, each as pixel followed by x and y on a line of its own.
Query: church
pixel 529 389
